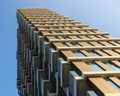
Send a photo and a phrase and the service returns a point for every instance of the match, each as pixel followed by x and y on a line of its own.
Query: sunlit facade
pixel 57 56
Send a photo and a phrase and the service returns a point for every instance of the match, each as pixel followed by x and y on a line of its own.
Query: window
pixel 78 31
pixel 61 59
pixel 56 28
pixel 91 93
pixel 65 44
pixel 104 36
pixel 101 36
pixel 50 31
pixel 66 37
pixel 94 66
pixel 101 43
pixel 93 31
pixel 86 31
pixel 66 90
pixel 112 84
pixel 89 36
pixel 78 53
pixel 58 31
pixel 118 42
pixel 93 53
pixel 70 32
pixel 79 37
pixel 91 44
pixel 112 66
pixel 37 75
pixel 75 44
pixel 42 86
pixel 113 43
pixel 98 36
pixel 47 28
pixel 56 37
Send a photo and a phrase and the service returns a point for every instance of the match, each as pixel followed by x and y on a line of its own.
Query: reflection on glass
pixel 93 53
pixel 65 44
pixel 79 54
pixel 112 66
pixel 113 84
pixel 94 66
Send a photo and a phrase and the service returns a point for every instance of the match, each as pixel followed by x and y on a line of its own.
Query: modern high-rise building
pixel 57 56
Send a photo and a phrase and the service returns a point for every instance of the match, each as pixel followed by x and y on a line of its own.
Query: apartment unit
pixel 57 56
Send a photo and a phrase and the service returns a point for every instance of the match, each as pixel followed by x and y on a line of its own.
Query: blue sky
pixel 101 14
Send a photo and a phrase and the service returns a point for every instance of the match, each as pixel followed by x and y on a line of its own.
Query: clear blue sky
pixel 101 14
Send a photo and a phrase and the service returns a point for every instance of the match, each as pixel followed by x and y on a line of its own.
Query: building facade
pixel 57 56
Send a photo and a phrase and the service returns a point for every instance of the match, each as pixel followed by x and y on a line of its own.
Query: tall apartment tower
pixel 57 56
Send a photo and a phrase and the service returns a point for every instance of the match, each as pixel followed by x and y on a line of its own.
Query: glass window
pixel 47 28
pixel 42 86
pixel 36 75
pixel 113 84
pixel 78 53
pixel 118 42
pixel 100 36
pixel 89 36
pixel 58 31
pixel 61 59
pixel 50 31
pixel 91 93
pixel 76 44
pixel 56 28
pixel 79 37
pixel 104 36
pixel 78 31
pixel 117 51
pixel 112 43
pixel 65 90
pixel 101 43
pixel 65 44
pixel 66 37
pixel 56 37
pixel 112 66
pixel 70 32
pixel 94 66
pixel 86 31
pixel 90 44
pixel 93 53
